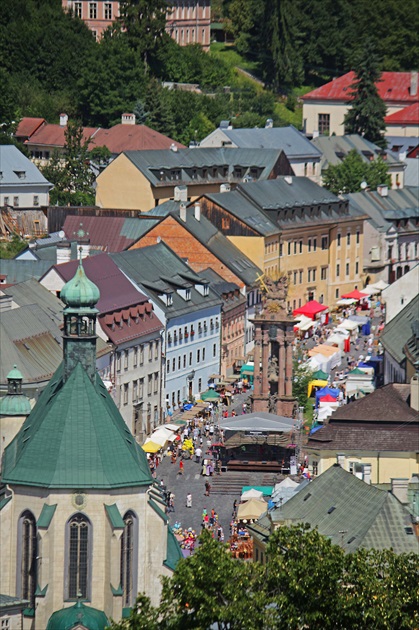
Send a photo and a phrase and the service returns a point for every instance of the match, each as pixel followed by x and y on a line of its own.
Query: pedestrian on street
pixel 189 500
pixel 198 454
pixel 180 468
pixel 207 488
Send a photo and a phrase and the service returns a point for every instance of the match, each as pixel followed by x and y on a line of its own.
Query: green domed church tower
pixel 80 295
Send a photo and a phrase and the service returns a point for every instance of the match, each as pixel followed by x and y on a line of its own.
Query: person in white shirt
pixel 198 454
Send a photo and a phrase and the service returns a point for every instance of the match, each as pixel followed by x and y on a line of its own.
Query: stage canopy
pixel 311 309
pixel 258 421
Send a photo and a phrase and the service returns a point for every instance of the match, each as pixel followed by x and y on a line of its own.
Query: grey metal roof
pixel 286 192
pixel 287 139
pixel 31 292
pixel 221 287
pixel 12 600
pixel 12 162
pixel 398 204
pixel 157 270
pixel 399 330
pixel 350 512
pixel 411 174
pixel 335 148
pixel 244 210
pixel 20 270
pixel 150 163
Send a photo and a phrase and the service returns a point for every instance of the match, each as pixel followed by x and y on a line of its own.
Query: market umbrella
pixel 252 509
pixel 180 422
pixel 210 395
pixel 320 375
pixel 251 494
pixel 151 447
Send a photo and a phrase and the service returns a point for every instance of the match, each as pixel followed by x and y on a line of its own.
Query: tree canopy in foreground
pixel 348 176
pixel 307 582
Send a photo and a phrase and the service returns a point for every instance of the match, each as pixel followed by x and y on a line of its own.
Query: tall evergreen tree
pixel 366 116
pixel 280 44
pixel 144 22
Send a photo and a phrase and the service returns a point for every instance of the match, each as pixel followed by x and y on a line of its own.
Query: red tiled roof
pixel 393 86
pixel 128 324
pixel 53 135
pixel 406 116
pixel 132 138
pixel 104 232
pixel 28 126
pixel 116 291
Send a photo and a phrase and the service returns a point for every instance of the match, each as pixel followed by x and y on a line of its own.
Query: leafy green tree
pixel 71 174
pixel 348 176
pixel 144 22
pixel 368 110
pixel 158 105
pixel 301 378
pixel 198 129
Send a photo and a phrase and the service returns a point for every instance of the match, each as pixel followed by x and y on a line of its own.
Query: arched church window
pixel 79 543
pixel 128 559
pixel 28 557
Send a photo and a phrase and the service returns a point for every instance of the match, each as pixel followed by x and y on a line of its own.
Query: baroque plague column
pixel 274 336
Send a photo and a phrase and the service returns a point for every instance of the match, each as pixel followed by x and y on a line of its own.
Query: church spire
pixel 80 295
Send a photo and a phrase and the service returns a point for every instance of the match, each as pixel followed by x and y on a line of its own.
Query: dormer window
pixel 187 294
pixel 20 174
pixel 169 299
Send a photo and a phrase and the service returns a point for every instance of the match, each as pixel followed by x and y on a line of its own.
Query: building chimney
pixel 197 211
pixel 63 252
pixel 180 193
pixel 414 392
pixel 288 179
pixel 225 188
pixel 269 123
pixel 382 190
pixel 340 459
pixel 128 119
pixel 173 147
pixel 63 120
pixel 183 211
pixel 413 83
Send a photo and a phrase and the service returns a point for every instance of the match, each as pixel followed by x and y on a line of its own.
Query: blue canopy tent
pixel 366 328
pixel 325 391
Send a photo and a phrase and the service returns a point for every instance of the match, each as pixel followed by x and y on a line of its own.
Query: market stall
pixel 314 310
pixel 315 383
pixel 327 391
pixel 333 356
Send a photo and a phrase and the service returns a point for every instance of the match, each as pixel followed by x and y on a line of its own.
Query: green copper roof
pixel 14 374
pixel 75 437
pixel 78 615
pixel 46 515
pixel 15 405
pixel 115 517
pixel 80 292
pixel 174 552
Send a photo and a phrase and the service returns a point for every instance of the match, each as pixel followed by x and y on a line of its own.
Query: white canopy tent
pixel 324 412
pixel 379 286
pixel 305 323
pixel 252 494
pixel 345 302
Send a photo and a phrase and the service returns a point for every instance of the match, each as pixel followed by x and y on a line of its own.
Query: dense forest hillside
pixel 50 62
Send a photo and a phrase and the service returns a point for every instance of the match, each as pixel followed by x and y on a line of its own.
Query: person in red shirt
pixel 180 467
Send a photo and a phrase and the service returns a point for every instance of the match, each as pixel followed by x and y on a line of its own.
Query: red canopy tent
pixel 355 295
pixel 311 309
pixel 328 399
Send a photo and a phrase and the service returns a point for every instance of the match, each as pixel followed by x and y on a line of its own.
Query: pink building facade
pixel 188 21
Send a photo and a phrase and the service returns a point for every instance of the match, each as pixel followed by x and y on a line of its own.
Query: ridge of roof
pixel 406 116
pixel 75 437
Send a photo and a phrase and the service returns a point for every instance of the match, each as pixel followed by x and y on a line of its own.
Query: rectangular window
pixel 289 248
pixel 337 294
pixel 149 384
pixel 347 269
pixel 93 11
pixel 150 351
pixel 281 250
pixel 134 391
pixel 135 357
pixel 199 384
pixel 156 382
pixel 108 11
pixel 35 200
pixel 179 362
pixel 301 276
pixel 357 237
pixel 203 354
pixel 324 242
pixel 125 359
pixel 198 356
pixel 141 355
pixel 348 238
pixel 78 9
pixel 309 244
pixel 295 247
pixel 314 274
pixel 6 201
pixel 126 389
pixel 118 361
pixel 190 358
pixel 309 275
pixel 339 237
pixel 324 124
pixel 214 350
pixel 324 273
pixel 173 365
pixel 301 247
pixel 337 270
pixel 314 244
pixel 184 360
pixel 156 350
pixel 295 277
pixel 168 366
pixel 141 389
pixel 16 202
pixel 357 268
